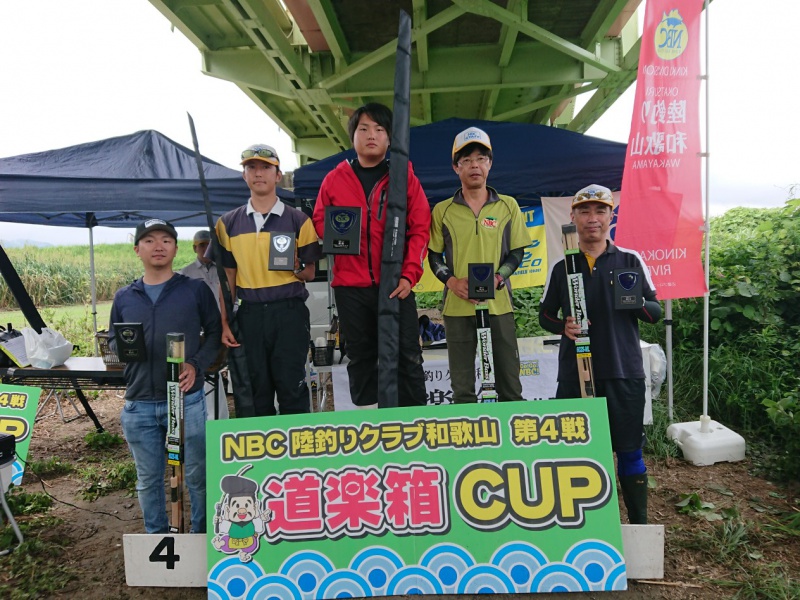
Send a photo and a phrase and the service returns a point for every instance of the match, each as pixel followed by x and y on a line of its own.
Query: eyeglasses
pixel 258 153
pixel 478 160
pixel 599 195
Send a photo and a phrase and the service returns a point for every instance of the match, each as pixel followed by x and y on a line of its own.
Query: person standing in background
pixel 205 268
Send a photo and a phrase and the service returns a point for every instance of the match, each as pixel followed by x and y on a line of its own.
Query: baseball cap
pixel 471 135
pixel 202 236
pixel 261 152
pixel 594 193
pixel 145 227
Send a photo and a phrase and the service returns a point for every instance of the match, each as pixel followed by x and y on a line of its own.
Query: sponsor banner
pixel 532 271
pixel 660 212
pixel 18 406
pixel 507 498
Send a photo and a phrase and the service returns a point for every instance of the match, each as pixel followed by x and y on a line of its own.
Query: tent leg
pixel 94 289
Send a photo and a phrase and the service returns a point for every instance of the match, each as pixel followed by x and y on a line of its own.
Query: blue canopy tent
pixel 116 182
pixel 530 161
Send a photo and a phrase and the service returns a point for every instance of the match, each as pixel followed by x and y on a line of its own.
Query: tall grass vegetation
pixel 60 276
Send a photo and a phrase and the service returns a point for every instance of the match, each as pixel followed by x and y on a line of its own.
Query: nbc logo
pixel 671 36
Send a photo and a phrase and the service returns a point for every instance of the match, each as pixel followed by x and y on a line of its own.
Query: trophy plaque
pixel 481 281
pixel 628 288
pixel 281 251
pixel 130 342
pixel 342 233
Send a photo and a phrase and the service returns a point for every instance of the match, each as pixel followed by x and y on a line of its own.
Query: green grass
pixel 734 544
pixel 763 582
pixel 67 313
pixel 21 502
pixel 39 567
pixel 100 441
pixel 658 444
pixel 52 467
pixel 108 477
pixel 58 280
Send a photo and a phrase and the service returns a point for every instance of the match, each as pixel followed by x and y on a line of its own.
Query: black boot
pixel 634 494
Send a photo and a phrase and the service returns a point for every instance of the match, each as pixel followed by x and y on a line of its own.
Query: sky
pixel 85 70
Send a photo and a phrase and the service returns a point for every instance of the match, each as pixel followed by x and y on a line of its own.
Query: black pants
pixel 276 336
pixel 358 318
pixel 625 399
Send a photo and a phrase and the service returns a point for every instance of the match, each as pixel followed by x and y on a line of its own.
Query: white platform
pixel 6 472
pixel 165 560
pixel 643 547
pixel 705 442
pixel 145 564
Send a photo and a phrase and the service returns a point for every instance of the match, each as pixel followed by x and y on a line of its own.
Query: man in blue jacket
pixel 163 302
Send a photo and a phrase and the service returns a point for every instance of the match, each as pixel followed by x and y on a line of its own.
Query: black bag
pixel 7 333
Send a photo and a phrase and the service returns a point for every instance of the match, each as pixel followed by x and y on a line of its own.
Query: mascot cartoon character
pixel 239 520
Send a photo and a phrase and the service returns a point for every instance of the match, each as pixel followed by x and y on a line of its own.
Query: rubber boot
pixel 634 494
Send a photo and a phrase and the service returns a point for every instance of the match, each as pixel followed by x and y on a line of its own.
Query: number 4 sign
pixel 170 560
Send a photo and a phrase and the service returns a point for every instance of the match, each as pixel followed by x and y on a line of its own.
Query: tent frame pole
pixel 94 289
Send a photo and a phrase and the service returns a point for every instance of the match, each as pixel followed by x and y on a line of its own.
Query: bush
pixel 754 336
pixel 526 309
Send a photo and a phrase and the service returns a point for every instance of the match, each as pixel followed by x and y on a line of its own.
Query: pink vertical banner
pixel 660 211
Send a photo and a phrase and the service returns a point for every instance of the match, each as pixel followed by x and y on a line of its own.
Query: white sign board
pixel 537 373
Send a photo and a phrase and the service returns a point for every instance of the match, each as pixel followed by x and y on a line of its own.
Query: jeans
pixel 144 424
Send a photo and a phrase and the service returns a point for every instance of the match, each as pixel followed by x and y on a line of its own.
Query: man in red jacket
pixel 364 183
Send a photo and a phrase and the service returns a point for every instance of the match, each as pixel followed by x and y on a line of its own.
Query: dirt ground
pixel 94 529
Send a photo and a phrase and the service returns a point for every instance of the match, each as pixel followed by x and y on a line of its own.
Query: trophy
pixel 281 251
pixel 342 230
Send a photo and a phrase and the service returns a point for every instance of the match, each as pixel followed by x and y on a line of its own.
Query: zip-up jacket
pixel 491 237
pixel 341 187
pixel 184 306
